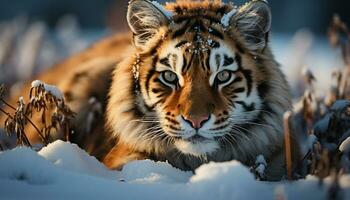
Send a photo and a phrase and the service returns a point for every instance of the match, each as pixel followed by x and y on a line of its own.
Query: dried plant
pixel 42 97
pixel 287 143
pixel 323 124
pixel 46 100
pixel 339 37
pixel 338 34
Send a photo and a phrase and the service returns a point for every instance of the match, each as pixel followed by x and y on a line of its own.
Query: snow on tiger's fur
pixel 196 83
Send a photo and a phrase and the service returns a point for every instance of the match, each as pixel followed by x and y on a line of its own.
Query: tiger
pixel 193 82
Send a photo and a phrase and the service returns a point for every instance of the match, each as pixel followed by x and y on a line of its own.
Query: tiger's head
pixel 204 76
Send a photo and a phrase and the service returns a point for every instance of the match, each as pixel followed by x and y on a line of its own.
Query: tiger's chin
pixel 197 147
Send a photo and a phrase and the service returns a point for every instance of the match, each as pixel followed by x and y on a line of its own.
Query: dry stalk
pixel 287 143
pixel 43 98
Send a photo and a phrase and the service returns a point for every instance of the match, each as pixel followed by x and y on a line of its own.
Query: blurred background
pixel 35 34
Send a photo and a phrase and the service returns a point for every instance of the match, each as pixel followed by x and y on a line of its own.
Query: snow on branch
pixel 53 90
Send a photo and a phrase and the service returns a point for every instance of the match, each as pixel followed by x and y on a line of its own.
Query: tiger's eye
pixel 169 76
pixel 223 76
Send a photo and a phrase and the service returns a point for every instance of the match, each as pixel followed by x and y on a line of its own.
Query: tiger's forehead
pixel 204 53
pixel 203 8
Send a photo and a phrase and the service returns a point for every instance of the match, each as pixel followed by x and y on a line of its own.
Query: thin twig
pixel 6 113
pixel 27 118
pixel 287 144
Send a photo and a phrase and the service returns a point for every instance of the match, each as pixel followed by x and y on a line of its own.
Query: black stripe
pixel 181 30
pixel 219 121
pixel 179 19
pixel 263 89
pixel 135 111
pixel 238 60
pixel 153 51
pixel 267 107
pixel 215 44
pixel 181 43
pixel 198 26
pixel 207 60
pixel 238 79
pixel 150 74
pixel 160 95
pixel 154 105
pixel 220 127
pixel 238 90
pixel 217 61
pixel 246 107
pixel 189 63
pixel 154 90
pixel 165 61
pixel 240 48
pixel 173 127
pixel 212 19
pixel 172 120
pixel 222 10
pixel 159 81
pixel 216 33
pixel 228 60
pixel 248 75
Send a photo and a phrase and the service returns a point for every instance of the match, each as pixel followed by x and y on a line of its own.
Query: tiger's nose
pixel 196 122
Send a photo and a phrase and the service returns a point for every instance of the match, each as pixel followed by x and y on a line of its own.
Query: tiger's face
pixel 202 75
pixel 202 89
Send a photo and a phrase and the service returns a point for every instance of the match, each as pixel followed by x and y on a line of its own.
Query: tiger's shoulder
pixel 81 78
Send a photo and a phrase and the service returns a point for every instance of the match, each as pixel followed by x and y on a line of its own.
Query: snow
pixel 260 160
pixel 345 146
pixel 260 164
pixel 48 88
pixel 167 13
pixel 340 105
pixel 36 83
pixel 225 20
pixel 63 171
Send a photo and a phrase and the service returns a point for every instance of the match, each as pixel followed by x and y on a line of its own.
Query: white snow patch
pixel 36 83
pixel 166 12
pixel 345 146
pixel 63 171
pixel 340 104
pixel 261 164
pixel 260 159
pixel 71 158
pixel 260 169
pixel 48 88
pixel 225 20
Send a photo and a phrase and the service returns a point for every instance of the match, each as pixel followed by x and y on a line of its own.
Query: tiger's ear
pixel 144 19
pixel 253 21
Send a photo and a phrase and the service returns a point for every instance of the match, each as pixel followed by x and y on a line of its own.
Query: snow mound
pixel 71 158
pixel 63 171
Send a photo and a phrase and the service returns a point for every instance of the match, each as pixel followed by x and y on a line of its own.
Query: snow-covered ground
pixel 64 171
